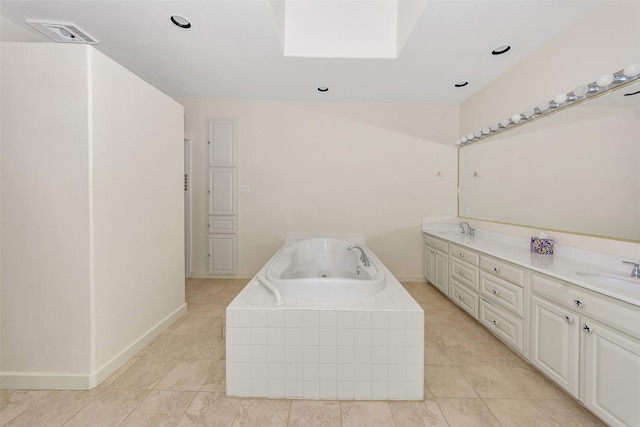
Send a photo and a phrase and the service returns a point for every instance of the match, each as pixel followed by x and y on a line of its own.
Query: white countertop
pixel 516 250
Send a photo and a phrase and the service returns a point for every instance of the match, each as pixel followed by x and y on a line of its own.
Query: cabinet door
pixel 440 271
pixel 429 256
pixel 555 334
pixel 611 374
pixel 222 185
pixel 222 251
pixel 222 147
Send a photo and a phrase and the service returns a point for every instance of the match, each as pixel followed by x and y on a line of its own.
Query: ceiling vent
pixel 62 32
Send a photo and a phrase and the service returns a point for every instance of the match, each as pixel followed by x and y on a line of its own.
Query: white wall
pixel 605 41
pixel 45 227
pixel 343 168
pixel 138 167
pixel 92 236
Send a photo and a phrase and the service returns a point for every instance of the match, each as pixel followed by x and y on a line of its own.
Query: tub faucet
pixel 636 269
pixel 363 256
pixel 466 228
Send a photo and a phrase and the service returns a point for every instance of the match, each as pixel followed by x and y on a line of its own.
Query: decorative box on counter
pixel 542 246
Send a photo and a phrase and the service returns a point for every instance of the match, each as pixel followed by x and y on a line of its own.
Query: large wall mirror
pixel 577 170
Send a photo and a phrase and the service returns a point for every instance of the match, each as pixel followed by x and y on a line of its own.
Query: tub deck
pixel 370 349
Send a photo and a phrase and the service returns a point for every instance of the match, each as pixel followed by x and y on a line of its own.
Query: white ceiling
pixel 234 49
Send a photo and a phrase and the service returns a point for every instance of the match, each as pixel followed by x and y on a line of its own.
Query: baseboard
pixel 59 381
pixel 416 279
pixel 114 364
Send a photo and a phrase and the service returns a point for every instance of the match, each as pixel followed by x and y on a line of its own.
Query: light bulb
pixel 580 91
pixel 529 112
pixel 544 106
pixel 560 99
pixel 494 127
pixel 632 70
pixel 486 131
pixel 470 137
pixel 463 140
pixel 504 123
pixel 458 142
pixel 605 80
pixel 516 118
pixel 477 134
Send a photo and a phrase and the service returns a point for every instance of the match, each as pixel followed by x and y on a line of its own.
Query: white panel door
pixel 222 189
pixel 222 254
pixel 612 374
pixel 555 334
pixel 222 147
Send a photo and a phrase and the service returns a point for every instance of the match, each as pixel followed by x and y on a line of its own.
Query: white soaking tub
pixel 363 348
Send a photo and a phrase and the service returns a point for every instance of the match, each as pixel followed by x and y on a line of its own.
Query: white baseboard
pixel 60 381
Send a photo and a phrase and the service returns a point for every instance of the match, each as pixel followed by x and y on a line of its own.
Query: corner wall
pixel 341 168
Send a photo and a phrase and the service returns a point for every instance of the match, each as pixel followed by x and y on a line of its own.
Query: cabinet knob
pixel 433 242
pixel 461 297
pixel 495 322
pixel 568 319
pixel 461 272
pixel 578 303
pixel 495 292
pixel 461 255
pixel 586 328
pixel 496 269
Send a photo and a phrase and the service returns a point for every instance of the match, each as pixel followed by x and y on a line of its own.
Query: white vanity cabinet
pixel 502 304
pixel 590 345
pixel 436 254
pixel 464 275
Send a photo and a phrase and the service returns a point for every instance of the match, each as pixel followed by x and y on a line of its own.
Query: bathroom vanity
pixel 575 321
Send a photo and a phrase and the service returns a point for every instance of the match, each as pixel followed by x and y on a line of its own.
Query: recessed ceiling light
pixel 180 21
pixel 461 84
pixel 501 49
pixel 323 89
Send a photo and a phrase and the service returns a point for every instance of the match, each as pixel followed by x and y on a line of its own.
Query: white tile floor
pixel 471 378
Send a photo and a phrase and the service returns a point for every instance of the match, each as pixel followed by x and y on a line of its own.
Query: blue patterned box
pixel 542 246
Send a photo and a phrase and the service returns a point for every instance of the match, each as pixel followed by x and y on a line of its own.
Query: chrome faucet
pixel 363 256
pixel 466 228
pixel 636 269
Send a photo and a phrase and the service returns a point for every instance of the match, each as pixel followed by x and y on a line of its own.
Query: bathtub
pixel 365 348
pixel 323 269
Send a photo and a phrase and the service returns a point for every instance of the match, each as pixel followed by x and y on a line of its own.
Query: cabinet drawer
pixel 503 269
pixel 440 245
pixel 222 224
pixel 464 273
pixel 465 254
pixel 505 325
pixel 616 313
pixel 502 293
pixel 465 298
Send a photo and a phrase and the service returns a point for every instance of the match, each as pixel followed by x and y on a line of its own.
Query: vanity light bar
pixel 601 86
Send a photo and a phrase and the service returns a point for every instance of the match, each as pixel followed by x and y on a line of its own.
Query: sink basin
pixel 610 280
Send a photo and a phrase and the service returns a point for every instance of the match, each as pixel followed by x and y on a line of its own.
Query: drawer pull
pixel 495 322
pixel 568 319
pixel 461 273
pixel 496 269
pixel 461 297
pixel 461 255
pixel 578 303
pixel 586 328
pixel 495 292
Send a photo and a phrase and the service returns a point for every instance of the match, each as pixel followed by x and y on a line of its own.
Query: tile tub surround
pixel 371 349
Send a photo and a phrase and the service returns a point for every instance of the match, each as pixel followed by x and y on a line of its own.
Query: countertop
pixel 516 250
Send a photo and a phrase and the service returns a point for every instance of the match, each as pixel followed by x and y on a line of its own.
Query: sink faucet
pixel 466 228
pixel 636 269
pixel 363 256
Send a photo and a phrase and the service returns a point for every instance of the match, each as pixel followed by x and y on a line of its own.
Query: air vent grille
pixel 63 32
